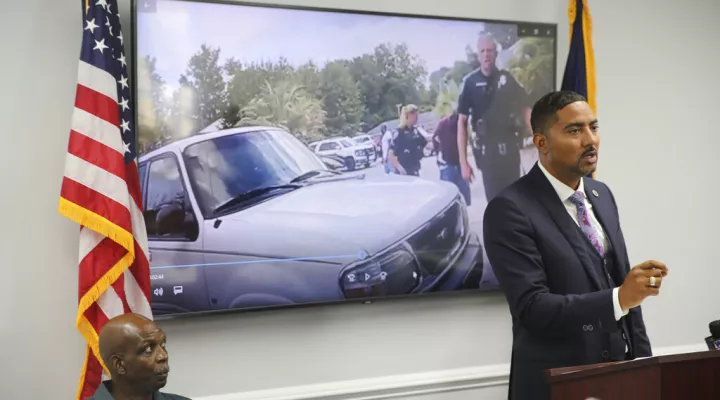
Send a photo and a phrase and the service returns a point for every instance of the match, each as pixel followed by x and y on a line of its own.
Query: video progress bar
pixel 362 255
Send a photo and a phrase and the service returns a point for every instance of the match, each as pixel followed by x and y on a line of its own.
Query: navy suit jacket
pixel 561 314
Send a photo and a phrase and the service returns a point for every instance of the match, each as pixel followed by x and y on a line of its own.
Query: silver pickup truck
pixel 250 217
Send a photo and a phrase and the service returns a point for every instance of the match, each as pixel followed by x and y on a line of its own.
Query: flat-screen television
pixel 293 156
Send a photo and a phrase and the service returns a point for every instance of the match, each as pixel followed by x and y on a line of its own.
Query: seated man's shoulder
pixel 162 396
pixel 169 396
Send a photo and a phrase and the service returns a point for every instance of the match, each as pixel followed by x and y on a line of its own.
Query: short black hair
pixel 544 112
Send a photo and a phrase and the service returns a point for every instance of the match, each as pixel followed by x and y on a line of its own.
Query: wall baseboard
pixel 405 385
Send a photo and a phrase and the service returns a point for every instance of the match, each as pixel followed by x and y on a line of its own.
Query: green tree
pixel 308 76
pixel 402 72
pixel 151 104
pixel 341 98
pixel 181 121
pixel 458 71
pixel 286 105
pixel 248 81
pixel 505 34
pixel 204 79
pixel 366 72
pixel 532 64
pixel 387 77
pixel 447 98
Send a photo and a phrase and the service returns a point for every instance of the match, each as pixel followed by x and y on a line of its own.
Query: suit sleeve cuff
pixel 619 312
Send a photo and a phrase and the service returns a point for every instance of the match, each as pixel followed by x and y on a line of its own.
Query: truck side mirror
pixel 174 219
pixel 169 219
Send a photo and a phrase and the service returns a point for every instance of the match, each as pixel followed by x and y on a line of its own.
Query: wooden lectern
pixel 691 376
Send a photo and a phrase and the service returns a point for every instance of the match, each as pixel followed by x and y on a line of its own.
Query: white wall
pixel 658 85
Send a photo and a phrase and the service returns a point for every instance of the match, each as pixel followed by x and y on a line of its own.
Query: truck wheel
pixel 350 163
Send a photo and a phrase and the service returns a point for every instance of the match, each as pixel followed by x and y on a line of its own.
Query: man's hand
pixel 467 172
pixel 637 283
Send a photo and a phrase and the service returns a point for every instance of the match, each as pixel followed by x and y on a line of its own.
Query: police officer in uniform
pixel 493 101
pixel 406 146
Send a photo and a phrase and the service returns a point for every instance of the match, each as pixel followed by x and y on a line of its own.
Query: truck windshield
pixel 223 168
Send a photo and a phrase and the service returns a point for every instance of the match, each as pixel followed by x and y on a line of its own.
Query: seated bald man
pixel 133 349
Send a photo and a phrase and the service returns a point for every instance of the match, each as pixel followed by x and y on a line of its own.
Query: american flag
pixel 101 188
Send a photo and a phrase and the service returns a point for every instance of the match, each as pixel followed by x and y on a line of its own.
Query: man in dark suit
pixel 554 241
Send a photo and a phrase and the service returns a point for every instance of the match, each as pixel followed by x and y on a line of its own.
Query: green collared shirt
pixel 104 394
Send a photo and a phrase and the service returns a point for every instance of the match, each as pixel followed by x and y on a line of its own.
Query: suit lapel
pixel 547 195
pixel 604 212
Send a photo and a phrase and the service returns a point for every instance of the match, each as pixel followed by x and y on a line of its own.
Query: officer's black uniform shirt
pixel 407 144
pixel 491 101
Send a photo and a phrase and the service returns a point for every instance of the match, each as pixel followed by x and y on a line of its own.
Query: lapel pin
pixel 595 193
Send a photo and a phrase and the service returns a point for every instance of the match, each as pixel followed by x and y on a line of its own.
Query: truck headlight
pixel 390 273
pixel 359 153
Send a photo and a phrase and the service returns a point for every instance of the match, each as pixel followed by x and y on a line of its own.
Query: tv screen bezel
pixel 134 89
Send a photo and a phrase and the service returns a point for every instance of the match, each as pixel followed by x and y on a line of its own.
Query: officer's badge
pixel 502 81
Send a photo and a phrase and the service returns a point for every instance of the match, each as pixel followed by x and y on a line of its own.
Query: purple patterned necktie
pixel 584 221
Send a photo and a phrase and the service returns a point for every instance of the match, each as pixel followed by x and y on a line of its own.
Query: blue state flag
pixel 580 68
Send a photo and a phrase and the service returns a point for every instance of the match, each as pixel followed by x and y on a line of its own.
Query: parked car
pixel 250 217
pixel 367 146
pixel 370 144
pixel 351 152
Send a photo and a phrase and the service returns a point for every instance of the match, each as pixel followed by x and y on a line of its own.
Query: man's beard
pixel 584 171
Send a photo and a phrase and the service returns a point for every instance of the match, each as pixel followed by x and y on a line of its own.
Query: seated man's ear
pixel 117 364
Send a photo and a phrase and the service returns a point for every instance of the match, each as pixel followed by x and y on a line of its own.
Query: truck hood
pixel 332 218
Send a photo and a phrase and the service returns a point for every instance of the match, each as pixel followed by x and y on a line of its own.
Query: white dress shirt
pixel 564 192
